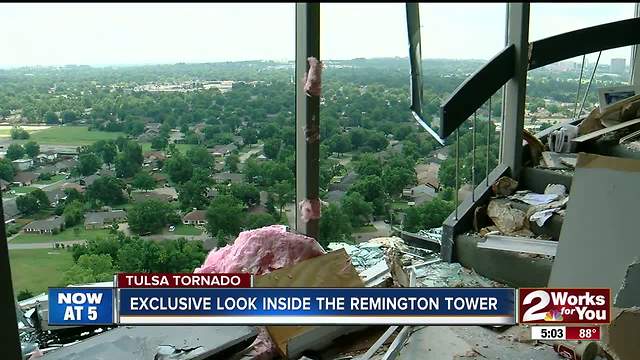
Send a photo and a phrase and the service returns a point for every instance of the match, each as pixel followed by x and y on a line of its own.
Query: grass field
pixel 72 135
pixel 37 269
pixel 186 230
pixel 23 189
pixel 74 233
pixel 50 181
pixel 365 229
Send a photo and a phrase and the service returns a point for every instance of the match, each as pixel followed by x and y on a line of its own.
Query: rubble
pixel 504 186
pixel 508 220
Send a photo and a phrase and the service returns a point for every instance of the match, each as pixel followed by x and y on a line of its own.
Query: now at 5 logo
pixel 568 305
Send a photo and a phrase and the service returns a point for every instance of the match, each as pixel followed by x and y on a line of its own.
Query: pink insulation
pixel 258 252
pixel 261 251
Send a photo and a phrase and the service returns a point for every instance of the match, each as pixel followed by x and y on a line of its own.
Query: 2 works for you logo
pixel 592 306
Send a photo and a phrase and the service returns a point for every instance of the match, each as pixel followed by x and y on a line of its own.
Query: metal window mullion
pixel 307 114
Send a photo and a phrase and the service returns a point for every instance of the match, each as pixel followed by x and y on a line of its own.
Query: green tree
pixel 107 190
pixel 224 216
pixel 24 295
pixel 231 162
pixel 51 118
pixel 193 194
pixel 200 157
pixel 27 204
pixel 73 213
pixel 247 193
pixel 334 225
pixel 14 152
pixel 258 220
pixel 272 148
pixel 90 268
pixel 41 198
pixel 283 194
pixel 395 179
pixel 6 170
pixel 178 168
pixel 357 209
pixel 249 135
pixel 32 149
pixel 428 215
pixel 143 181
pixel 88 164
pixel 159 142
pixel 18 133
pixel 148 216
pixel 369 164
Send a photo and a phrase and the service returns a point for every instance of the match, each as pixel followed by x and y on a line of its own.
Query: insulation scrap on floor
pixel 260 251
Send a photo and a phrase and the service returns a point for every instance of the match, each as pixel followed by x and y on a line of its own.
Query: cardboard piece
pixel 596 134
pixel 330 270
pixel 599 237
pixel 620 337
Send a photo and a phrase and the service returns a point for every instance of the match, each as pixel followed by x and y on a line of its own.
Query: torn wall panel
pixel 599 236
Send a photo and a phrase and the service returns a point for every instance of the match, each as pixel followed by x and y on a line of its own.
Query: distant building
pixel 144 196
pixel 176 137
pixel 618 66
pixel 103 219
pixel 223 150
pixel 195 217
pixel 419 194
pixel 25 178
pixel 227 177
pixel 4 185
pixel 46 227
pixel 22 164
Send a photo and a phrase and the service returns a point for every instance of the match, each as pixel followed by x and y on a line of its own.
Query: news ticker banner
pixel 230 299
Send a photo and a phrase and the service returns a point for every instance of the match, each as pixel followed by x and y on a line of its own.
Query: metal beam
pixel 635 56
pixel 476 90
pixel 307 114
pixel 519 244
pixel 10 340
pixel 584 41
pixel 515 91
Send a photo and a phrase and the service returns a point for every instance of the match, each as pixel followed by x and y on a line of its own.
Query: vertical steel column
pixel 307 114
pixel 473 159
pixel 9 341
pixel 515 92
pixel 635 57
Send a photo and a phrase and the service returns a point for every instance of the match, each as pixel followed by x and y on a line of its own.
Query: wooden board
pixel 596 134
pixel 331 270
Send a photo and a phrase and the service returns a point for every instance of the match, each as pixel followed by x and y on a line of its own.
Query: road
pixel 382 230
pixel 254 150
pixel 45 245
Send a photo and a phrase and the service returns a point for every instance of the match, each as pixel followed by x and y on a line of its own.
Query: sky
pixel 146 33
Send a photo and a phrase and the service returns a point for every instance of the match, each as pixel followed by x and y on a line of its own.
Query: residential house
pixel 161 179
pixel 227 177
pixel 176 137
pixel 144 196
pixel 25 178
pixel 65 166
pixel 46 227
pixel 46 157
pixel 428 174
pixel 212 192
pixel 419 194
pixel 88 180
pixel 4 185
pixel 75 186
pixel 153 159
pixel 195 217
pixel 22 164
pixel 223 150
pixel 56 195
pixel 103 219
